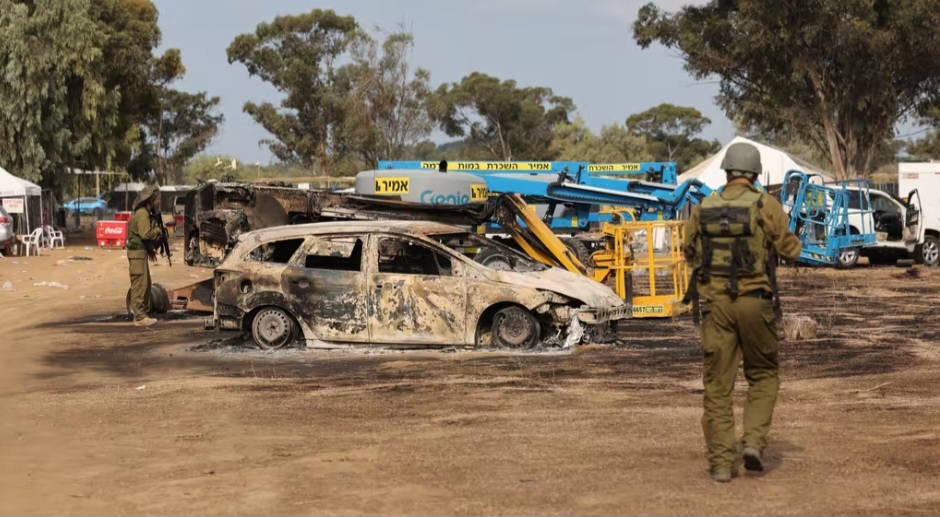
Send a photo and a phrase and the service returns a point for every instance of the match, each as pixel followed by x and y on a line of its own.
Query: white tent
pixel 13 187
pixel 776 163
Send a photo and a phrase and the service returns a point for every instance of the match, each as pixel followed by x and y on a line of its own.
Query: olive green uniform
pixel 735 326
pixel 140 230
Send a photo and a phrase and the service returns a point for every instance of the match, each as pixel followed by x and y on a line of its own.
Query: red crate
pixel 111 234
pixel 178 221
pixel 123 216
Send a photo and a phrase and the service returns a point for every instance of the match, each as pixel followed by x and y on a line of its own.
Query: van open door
pixel 913 221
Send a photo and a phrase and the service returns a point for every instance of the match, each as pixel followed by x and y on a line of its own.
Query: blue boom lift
pixel 819 215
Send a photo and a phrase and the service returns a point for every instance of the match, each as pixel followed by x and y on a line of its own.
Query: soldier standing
pixel 142 237
pixel 732 242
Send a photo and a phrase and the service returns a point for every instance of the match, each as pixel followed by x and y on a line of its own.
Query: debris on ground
pixel 51 284
pixel 8 286
pixel 798 328
pixel 80 258
pixel 913 273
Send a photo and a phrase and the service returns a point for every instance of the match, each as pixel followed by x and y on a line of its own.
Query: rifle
pixel 163 243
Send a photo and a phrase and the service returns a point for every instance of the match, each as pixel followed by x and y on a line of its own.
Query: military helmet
pixel 145 195
pixel 742 159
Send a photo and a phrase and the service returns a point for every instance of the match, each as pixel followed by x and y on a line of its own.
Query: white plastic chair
pixel 33 239
pixel 55 235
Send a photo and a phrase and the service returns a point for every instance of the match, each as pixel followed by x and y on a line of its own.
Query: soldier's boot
pixel 753 461
pixel 720 475
pixel 146 322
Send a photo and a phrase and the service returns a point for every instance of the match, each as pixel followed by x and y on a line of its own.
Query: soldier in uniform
pixel 142 237
pixel 733 240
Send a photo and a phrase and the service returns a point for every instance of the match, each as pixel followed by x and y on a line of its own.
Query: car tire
pixel 928 253
pixel 580 250
pixel 515 327
pixel 848 257
pixel 272 328
pixel 494 259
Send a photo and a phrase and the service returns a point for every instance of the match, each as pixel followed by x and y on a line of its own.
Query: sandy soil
pixel 102 418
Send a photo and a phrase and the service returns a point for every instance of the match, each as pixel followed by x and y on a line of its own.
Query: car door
pixel 913 221
pixel 417 293
pixel 326 284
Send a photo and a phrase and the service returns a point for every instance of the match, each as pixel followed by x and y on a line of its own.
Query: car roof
pixel 397 227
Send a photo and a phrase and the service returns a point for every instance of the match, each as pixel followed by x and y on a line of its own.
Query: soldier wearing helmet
pixel 732 241
pixel 142 235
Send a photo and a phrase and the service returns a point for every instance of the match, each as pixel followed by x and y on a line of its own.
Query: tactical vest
pixel 732 243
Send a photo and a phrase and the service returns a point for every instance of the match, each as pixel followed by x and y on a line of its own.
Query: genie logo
pixel 429 197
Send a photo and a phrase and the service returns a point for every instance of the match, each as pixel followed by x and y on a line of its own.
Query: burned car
pixel 400 283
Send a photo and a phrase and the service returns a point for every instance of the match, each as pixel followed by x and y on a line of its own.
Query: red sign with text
pixel 111 234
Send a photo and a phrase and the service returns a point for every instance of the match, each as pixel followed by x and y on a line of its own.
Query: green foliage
pixel 297 56
pixel 836 73
pixel 187 126
pixel 207 167
pixel 928 147
pixel 670 131
pixel 55 108
pixel 386 110
pixel 614 144
pixel 501 119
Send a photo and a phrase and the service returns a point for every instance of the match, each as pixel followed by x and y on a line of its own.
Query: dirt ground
pixel 100 417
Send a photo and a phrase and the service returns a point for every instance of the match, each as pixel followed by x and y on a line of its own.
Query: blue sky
pixel 582 49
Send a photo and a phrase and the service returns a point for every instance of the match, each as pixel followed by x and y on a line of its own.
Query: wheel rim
pixel 513 328
pixel 272 328
pixel 931 252
pixel 848 256
pixel 498 263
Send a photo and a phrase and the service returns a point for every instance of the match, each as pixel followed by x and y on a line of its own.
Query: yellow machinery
pixel 643 259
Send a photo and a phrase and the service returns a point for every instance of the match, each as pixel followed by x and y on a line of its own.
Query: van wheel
pixel 928 253
pixel 272 328
pixel 847 258
pixel 515 327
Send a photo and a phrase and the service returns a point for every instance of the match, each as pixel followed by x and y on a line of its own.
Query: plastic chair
pixel 55 235
pixel 33 239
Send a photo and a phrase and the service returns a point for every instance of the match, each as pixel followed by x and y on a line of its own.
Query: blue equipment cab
pixel 819 216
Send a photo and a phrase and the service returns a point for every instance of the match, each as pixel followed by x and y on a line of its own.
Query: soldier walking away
pixel 142 239
pixel 733 240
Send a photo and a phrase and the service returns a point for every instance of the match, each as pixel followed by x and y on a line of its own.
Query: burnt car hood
pixel 589 292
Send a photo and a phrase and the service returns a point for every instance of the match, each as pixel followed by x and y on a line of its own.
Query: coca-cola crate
pixel 111 234
pixel 123 216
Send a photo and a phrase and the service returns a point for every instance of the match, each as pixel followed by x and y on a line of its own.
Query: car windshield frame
pixel 481 241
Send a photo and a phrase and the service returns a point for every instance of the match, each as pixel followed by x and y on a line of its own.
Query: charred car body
pixel 217 213
pixel 399 283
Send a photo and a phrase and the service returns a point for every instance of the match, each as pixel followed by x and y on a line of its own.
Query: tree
pixel 928 147
pixel 55 110
pixel 575 141
pixel 211 166
pixel 387 110
pixel 504 120
pixel 186 127
pixel 670 126
pixel 837 73
pixel 297 56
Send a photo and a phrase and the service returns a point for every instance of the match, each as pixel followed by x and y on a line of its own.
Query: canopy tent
pixel 776 162
pixel 27 215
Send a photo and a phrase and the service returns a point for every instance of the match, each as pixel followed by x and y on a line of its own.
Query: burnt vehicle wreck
pixel 217 213
pixel 400 283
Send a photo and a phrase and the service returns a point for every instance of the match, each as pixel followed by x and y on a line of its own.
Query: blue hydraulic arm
pixel 573 182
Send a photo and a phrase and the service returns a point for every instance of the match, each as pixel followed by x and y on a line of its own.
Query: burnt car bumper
pixel 598 315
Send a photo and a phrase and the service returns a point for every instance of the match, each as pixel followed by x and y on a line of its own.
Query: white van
pixel 924 178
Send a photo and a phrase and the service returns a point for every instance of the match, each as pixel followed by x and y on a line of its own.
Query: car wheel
pixel 272 328
pixel 494 259
pixel 579 250
pixel 847 258
pixel 515 327
pixel 928 253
